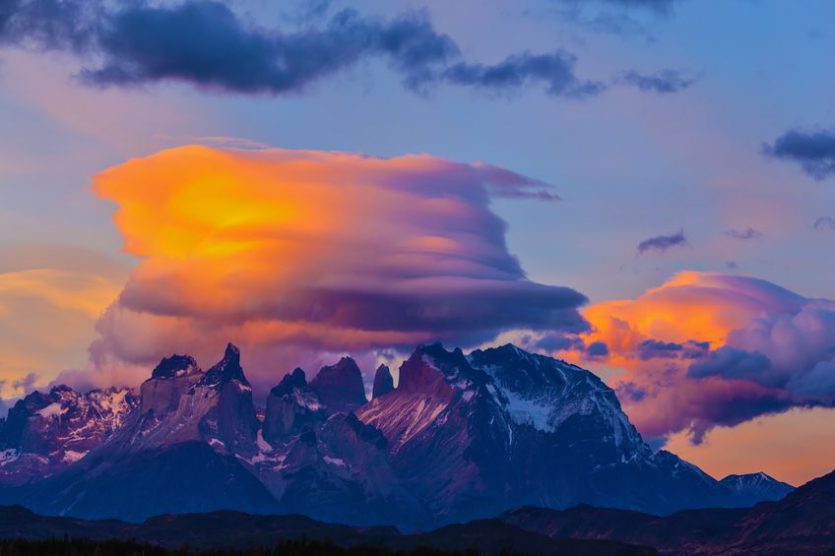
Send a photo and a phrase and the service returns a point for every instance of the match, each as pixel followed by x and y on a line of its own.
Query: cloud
pixel 555 71
pixel 732 363
pixel 662 243
pixel 664 81
pixel 747 233
pixel 703 350
pixel 317 251
pixel 206 44
pixel 824 223
pixel 50 299
pixel 813 150
pixel 49 24
pixel 654 349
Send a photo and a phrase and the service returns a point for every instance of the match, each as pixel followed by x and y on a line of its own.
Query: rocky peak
pixel 176 366
pixel 226 370
pixel 292 407
pixel 383 382
pixel 431 369
pixel 293 381
pixel 339 387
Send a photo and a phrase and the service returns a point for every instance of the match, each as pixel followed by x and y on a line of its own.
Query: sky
pixel 643 187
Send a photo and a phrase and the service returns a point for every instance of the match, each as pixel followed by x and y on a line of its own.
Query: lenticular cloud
pixel 315 250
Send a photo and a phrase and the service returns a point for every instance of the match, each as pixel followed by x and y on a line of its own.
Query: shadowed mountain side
pixel 801 523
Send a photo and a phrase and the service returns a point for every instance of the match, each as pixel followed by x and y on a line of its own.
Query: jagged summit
pixel 227 369
pixel 290 382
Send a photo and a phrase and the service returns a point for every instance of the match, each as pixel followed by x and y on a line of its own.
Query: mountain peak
pixel 227 369
pixel 383 382
pixel 339 387
pixel 232 352
pixel 430 367
pixel 174 366
pixel 292 381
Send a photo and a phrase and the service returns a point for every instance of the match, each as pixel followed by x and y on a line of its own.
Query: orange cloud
pixel 47 315
pixel 332 251
pixel 709 349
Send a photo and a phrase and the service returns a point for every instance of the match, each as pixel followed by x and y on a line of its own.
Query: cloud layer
pixel 315 250
pixel 703 350
pixel 207 44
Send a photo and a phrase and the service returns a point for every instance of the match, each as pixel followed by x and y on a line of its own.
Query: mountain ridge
pixel 461 437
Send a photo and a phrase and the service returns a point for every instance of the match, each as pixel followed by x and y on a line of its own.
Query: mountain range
pixel 461 437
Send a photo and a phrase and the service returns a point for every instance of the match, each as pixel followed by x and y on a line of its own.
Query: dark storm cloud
pixel 662 243
pixel 207 44
pixel 664 81
pixel 747 233
pixel 813 150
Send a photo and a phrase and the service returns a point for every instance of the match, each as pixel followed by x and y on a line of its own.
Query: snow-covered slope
pixel 755 487
pixel 46 432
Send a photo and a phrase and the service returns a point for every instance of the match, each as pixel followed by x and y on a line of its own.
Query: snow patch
pixel 71 456
pixel 52 410
pixel 7 456
pixel 339 462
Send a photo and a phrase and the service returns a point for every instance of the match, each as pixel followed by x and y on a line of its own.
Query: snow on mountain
pixel 46 432
pixel 755 487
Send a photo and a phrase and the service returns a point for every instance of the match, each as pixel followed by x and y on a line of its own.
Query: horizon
pixel 641 188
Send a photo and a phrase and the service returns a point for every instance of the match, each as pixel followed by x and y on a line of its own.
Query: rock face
pixel 327 464
pixel 181 403
pixel 339 386
pixel 461 437
pixel 45 433
pixel 383 382
pixel 292 408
